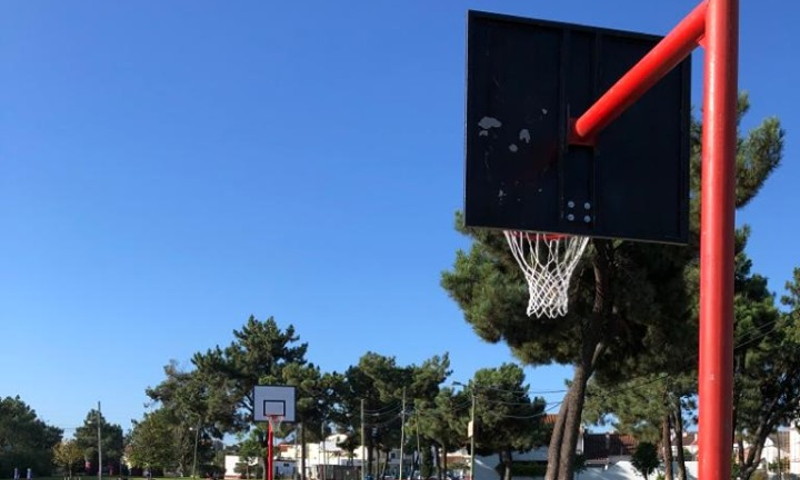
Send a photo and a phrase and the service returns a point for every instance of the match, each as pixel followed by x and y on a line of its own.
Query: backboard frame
pixel 524 172
pixel 267 399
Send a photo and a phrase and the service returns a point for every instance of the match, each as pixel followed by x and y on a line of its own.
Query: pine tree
pixel 628 301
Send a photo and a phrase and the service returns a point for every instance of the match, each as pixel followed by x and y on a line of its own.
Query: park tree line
pixel 370 402
pixel 631 332
pixel 28 442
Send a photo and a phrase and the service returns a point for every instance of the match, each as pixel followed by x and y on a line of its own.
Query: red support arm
pixel 668 53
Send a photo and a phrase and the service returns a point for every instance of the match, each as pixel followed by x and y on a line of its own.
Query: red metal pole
pixel 268 465
pixel 716 239
pixel 668 53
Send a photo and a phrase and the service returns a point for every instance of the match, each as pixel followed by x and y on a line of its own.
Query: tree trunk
pixel 506 461
pixel 564 441
pixel 503 461
pixel 553 449
pixel 748 468
pixel 666 446
pixel 444 460
pixel 677 425
pixel 437 451
pixel 744 472
pixel 569 441
pixel 370 453
pixel 561 451
pixel 767 423
pixel 427 467
pixel 753 460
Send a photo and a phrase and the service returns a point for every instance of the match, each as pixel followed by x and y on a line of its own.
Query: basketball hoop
pixel 275 422
pixel 547 261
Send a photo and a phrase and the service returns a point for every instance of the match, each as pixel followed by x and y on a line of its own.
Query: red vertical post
pixel 268 464
pixel 716 239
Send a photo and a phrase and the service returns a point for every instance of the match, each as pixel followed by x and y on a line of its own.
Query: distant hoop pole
pixel 268 464
pixel 659 61
pixel 718 205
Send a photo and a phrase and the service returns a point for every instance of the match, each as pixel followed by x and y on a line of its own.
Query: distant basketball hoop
pixel 273 404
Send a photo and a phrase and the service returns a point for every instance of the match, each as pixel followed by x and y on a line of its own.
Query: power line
pixel 544 413
pixel 381 410
pixel 478 386
pixel 689 361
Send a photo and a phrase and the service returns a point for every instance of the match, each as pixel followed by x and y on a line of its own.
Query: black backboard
pixel 525 80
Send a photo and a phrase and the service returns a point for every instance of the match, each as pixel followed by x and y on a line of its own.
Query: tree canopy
pixel 766 361
pixel 152 442
pixel 379 384
pixel 67 455
pixel 645 459
pixel 25 440
pixel 630 302
pixel 112 441
pixel 502 404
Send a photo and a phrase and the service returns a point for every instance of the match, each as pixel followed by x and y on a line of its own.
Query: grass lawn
pixel 94 477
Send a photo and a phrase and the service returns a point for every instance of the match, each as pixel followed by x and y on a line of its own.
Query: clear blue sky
pixel 169 168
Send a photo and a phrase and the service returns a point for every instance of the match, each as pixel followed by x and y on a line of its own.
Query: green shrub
pixel 524 469
pixel 759 475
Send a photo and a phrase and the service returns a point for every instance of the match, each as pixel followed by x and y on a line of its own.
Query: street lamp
pixel 470 431
pixel 196 440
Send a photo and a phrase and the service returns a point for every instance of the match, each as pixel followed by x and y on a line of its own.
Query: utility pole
pixel 778 443
pixel 470 429
pixel 196 441
pixel 297 452
pixel 324 468
pixel 99 446
pixel 363 445
pixel 418 462
pixel 471 433
pixel 402 433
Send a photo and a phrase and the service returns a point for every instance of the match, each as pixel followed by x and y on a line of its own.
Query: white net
pixel 275 422
pixel 547 261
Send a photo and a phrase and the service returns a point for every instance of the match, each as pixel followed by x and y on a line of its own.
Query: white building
pixel 283 467
pixel 323 459
pixel 327 461
pixel 794 449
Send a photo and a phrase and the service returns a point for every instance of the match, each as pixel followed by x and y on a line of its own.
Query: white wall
pixel 794 450
pixel 230 465
pixel 621 470
pixel 283 467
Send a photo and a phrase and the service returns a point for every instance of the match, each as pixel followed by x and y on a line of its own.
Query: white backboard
pixel 273 400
